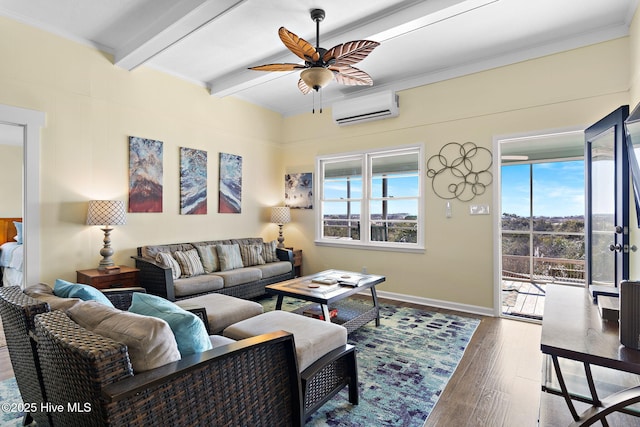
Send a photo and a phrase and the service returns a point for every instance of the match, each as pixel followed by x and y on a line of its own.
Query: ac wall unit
pixel 366 108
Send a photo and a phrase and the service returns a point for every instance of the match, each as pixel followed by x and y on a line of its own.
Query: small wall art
pixel 230 193
pixel 193 181
pixel 298 190
pixel 145 175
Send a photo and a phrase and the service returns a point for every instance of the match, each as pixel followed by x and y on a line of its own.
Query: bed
pixel 11 252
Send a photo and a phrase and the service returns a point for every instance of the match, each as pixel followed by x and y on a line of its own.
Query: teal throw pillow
pixel 65 289
pixel 190 332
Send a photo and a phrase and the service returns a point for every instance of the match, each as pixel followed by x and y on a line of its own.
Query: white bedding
pixel 11 261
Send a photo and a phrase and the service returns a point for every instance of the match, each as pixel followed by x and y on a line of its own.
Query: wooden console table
pixel 574 332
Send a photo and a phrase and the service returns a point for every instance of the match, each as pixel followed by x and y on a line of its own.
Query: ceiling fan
pixel 322 65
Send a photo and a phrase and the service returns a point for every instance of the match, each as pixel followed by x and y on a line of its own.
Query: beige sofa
pixel 262 264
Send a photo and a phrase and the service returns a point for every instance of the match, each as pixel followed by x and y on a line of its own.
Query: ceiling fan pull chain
pixel 320 101
pixel 313 107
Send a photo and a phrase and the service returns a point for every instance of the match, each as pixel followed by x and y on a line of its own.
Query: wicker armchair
pixel 250 382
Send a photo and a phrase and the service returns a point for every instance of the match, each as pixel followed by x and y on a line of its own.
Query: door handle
pixel 615 248
pixel 619 229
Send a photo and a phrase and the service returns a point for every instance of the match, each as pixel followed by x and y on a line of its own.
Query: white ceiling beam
pixel 175 24
pixel 386 24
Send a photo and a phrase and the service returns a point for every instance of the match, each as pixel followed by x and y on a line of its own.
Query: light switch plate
pixel 479 209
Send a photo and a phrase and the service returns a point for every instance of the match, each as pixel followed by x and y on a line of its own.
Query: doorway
pixel 31 122
pixel 539 234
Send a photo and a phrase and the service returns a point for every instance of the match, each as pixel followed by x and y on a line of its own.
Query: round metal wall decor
pixel 460 171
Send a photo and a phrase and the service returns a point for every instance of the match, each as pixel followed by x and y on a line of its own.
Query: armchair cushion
pixel 150 340
pixel 189 331
pixel 44 293
pixel 65 289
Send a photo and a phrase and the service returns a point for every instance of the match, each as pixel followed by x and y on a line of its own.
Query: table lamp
pixel 106 213
pixel 280 215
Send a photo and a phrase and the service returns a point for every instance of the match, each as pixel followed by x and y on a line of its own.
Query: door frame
pixel 497 204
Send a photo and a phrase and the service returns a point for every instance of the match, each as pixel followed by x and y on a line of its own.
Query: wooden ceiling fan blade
pixel 278 67
pixel 304 88
pixel 299 46
pixel 349 53
pixel 351 76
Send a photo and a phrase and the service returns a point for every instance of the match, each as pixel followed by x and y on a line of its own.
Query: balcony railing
pixel 544 269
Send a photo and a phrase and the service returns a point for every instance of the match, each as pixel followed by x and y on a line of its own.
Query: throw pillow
pixel 65 289
pixel 251 255
pixel 190 263
pixel 166 260
pixel 18 236
pixel 149 340
pixel 189 331
pixel 269 251
pixel 229 257
pixel 209 257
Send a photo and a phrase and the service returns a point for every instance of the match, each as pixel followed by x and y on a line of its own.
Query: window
pixel 371 199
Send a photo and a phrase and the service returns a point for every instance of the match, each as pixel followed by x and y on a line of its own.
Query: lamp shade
pixel 106 212
pixel 280 215
pixel 316 77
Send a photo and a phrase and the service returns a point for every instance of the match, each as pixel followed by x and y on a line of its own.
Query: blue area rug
pixel 9 399
pixel 403 366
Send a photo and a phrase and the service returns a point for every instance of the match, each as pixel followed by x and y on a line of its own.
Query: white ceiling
pixel 213 42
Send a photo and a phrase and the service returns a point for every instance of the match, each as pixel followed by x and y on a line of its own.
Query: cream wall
pixel 574 88
pixel 91 108
pixel 11 178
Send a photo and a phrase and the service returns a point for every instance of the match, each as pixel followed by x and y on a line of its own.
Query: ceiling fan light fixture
pixel 316 77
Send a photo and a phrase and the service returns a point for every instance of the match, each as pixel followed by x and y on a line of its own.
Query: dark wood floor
pixel 497 382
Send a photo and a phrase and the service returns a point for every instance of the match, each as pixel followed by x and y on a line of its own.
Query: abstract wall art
pixel 298 190
pixel 145 175
pixel 193 181
pixel 230 193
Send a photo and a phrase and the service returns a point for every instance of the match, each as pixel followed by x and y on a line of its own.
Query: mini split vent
pixel 366 108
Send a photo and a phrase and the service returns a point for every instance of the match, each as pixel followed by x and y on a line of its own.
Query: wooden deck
pixel 523 299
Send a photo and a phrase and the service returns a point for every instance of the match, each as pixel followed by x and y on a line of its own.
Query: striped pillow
pixel 251 255
pixel 190 263
pixel 229 257
pixel 166 260
pixel 269 251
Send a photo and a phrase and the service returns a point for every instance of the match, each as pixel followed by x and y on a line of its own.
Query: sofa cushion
pixel 229 256
pixel 44 293
pixel 222 310
pixel 313 338
pixel 269 251
pixel 190 263
pixel 273 269
pixel 240 276
pixel 219 340
pixel 209 257
pixel 165 259
pixel 149 340
pixel 197 285
pixel 251 255
pixel 151 251
pixel 65 289
pixel 189 331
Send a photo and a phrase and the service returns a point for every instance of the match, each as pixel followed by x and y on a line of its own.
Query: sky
pixel 558 189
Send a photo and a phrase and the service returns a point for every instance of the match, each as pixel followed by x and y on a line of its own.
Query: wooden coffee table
pixel 351 314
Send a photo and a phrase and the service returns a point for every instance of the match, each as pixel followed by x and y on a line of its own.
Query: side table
pixel 127 277
pixel 297 261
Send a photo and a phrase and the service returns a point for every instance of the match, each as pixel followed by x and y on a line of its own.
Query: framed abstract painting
pixel 298 190
pixel 145 175
pixel 230 192
pixel 193 181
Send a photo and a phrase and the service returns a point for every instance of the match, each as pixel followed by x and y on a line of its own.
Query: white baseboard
pixel 465 308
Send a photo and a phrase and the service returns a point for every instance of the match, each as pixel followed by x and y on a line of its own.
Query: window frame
pixel 365 157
